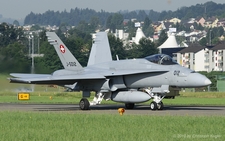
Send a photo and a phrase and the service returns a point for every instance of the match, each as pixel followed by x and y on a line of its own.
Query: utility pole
pixel 210 37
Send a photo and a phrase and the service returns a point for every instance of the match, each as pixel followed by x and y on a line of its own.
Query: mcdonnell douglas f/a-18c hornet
pixel 127 81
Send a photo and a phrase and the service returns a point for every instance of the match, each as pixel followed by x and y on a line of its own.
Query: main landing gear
pixel 156 106
pixel 157 94
pixel 84 104
pixel 157 103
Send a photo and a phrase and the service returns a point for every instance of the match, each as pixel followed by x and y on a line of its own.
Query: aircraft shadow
pixel 137 107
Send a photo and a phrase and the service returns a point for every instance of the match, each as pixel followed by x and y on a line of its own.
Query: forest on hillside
pixel 15 48
pixel 77 15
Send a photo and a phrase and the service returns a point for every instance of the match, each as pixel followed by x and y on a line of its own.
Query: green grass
pixel 43 97
pixel 195 101
pixel 48 126
pixel 203 94
pixel 76 126
pixel 188 98
pixel 42 94
pixel 74 98
pixel 6 86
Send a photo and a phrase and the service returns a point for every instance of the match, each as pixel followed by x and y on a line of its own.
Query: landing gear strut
pixel 160 105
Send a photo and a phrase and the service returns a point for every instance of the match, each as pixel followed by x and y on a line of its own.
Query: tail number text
pixel 71 64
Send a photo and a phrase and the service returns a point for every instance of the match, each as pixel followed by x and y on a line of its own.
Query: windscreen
pixel 161 59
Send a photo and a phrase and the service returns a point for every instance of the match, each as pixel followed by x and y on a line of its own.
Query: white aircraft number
pixel 71 64
pixel 176 72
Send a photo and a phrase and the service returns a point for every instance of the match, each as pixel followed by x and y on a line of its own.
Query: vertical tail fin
pixel 68 60
pixel 100 50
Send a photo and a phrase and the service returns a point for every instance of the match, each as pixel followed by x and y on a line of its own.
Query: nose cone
pixel 207 82
pixel 197 80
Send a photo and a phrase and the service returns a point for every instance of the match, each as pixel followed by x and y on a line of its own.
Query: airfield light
pixel 121 111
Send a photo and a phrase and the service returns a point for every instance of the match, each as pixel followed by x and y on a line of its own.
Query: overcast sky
pixel 18 9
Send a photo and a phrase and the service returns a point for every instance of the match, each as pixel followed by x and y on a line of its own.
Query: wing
pixel 58 80
pixel 72 78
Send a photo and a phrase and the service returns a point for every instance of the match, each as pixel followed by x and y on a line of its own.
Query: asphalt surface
pixel 113 109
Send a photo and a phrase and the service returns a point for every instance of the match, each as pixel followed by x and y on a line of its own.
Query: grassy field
pixel 42 94
pixel 74 98
pixel 67 126
pixel 21 126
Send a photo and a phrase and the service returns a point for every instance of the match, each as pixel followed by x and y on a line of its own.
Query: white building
pixel 121 35
pixel 171 42
pixel 138 36
pixel 217 58
pixel 170 46
pixel 192 57
pixel 202 58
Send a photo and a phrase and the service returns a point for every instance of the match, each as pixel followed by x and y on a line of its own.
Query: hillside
pixel 75 16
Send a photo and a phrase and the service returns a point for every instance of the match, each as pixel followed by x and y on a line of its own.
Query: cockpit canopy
pixel 161 59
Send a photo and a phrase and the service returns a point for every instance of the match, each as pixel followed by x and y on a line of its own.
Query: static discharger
pixel 121 111
pixel 23 96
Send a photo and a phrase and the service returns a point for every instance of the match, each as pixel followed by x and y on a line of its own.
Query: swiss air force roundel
pixel 62 49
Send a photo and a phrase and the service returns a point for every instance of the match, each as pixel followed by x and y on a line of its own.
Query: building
pixel 202 58
pixel 217 58
pixel 192 57
pixel 138 36
pixel 170 46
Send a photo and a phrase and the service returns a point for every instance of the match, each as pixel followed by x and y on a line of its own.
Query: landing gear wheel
pixel 84 104
pixel 129 105
pixel 153 105
pixel 160 105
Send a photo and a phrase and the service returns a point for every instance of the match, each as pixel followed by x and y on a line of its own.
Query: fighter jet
pixel 128 81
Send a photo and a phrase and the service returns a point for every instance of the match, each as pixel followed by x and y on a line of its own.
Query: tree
pixel 9 35
pixel 147 47
pixel 16 23
pixel 130 29
pixel 94 22
pixel 147 22
pixel 162 38
pixel 147 27
pixel 133 51
pixel 50 62
pixel 114 22
pixel 203 41
pixel 14 58
pixel 35 28
pixel 116 46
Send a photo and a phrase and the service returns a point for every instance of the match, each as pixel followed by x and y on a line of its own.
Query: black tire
pixel 153 105
pixel 129 105
pixel 160 106
pixel 84 104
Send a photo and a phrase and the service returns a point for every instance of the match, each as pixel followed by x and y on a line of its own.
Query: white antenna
pixel 117 58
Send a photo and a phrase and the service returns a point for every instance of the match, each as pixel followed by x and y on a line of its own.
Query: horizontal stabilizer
pixel 25 75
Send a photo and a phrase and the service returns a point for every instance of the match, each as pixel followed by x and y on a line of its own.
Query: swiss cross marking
pixel 62 49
